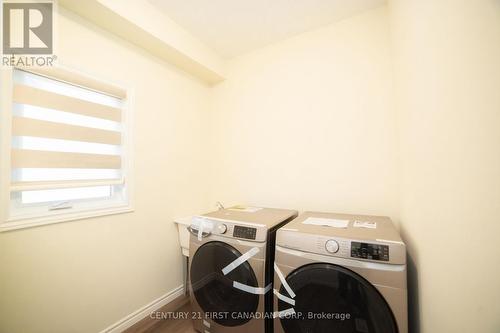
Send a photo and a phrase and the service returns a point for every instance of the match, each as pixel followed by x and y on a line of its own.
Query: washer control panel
pixel 370 251
pixel 244 232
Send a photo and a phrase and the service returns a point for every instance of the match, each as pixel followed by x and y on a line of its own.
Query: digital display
pixel 370 251
pixel 244 232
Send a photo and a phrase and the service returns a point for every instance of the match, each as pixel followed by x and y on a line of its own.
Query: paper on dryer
pixel 365 224
pixel 335 223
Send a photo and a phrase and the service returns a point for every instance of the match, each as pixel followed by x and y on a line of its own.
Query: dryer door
pixel 214 291
pixel 330 298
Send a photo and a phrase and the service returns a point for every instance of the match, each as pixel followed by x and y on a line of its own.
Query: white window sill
pixel 21 223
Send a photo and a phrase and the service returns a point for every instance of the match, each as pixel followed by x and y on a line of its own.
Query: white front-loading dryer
pixel 231 272
pixel 340 273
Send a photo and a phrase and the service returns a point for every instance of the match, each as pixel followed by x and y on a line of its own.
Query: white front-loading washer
pixel 340 273
pixel 231 270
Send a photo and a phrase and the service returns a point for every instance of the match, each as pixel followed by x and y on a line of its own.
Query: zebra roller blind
pixel 66 146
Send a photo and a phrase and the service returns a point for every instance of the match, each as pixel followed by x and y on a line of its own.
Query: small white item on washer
pixel 201 224
pixel 365 224
pixel 334 223
pixel 246 209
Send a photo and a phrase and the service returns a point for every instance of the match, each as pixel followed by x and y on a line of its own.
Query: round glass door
pixel 214 291
pixel 333 299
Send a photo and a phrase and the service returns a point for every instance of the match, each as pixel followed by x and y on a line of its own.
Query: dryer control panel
pixel 356 249
pixel 370 251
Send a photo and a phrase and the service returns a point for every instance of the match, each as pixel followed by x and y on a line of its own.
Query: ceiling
pixel 234 27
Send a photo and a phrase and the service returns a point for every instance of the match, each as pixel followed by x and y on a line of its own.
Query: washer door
pixel 214 291
pixel 324 290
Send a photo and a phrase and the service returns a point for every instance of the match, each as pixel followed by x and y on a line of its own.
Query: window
pixel 68 150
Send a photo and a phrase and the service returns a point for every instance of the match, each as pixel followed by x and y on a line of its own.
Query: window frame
pixel 78 78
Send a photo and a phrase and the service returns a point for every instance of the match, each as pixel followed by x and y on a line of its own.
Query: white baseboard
pixel 143 312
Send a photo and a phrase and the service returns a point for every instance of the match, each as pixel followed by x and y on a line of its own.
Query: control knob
pixel 221 228
pixel 332 246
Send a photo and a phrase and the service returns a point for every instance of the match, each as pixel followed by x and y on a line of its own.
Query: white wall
pixel 447 61
pixel 85 275
pixel 308 123
pixel 314 122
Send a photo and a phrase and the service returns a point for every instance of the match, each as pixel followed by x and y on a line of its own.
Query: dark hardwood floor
pixel 167 325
